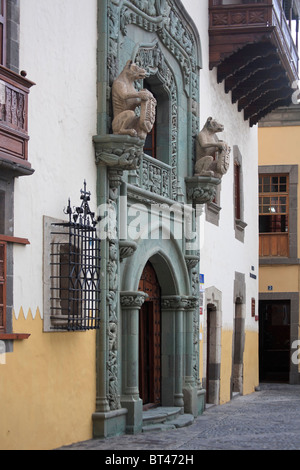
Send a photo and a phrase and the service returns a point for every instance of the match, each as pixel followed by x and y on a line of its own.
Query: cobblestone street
pixel 268 419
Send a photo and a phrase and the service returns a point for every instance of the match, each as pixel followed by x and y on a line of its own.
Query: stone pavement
pixel 268 419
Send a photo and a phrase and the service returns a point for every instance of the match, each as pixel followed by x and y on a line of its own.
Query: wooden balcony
pixel 14 91
pixel 251 45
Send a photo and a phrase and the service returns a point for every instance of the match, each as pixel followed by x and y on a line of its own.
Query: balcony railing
pixel 251 42
pixel 14 90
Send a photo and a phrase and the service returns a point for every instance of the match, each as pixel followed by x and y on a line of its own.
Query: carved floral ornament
pixel 163 17
pixel 178 302
pixel 132 299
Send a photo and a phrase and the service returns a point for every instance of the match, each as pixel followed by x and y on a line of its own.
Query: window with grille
pixel 75 270
pixel 274 214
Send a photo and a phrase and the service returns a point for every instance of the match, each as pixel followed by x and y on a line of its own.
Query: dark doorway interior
pixel 274 340
pixel 150 340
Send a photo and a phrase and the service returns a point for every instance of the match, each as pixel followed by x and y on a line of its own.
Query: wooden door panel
pixel 150 339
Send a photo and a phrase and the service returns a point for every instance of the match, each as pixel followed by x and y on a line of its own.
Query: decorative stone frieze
pixel 132 300
pixel 173 302
pixel 201 189
pixel 177 302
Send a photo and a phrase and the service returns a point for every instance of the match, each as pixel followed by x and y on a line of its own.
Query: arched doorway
pixel 150 339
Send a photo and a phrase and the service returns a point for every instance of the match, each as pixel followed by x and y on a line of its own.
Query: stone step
pixel 183 421
pixel 161 414
pixel 157 427
pixel 165 418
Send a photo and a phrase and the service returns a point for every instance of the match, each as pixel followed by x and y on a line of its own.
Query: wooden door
pixel 274 338
pixel 150 339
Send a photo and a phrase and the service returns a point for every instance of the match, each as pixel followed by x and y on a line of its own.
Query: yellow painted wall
pixel 279 145
pixel 251 370
pixel 49 383
pixel 226 366
pixel 282 278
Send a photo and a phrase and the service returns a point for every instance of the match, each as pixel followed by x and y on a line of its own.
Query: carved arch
pixel 168 22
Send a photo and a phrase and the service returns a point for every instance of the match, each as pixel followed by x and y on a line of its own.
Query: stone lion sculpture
pixel 126 99
pixel 212 154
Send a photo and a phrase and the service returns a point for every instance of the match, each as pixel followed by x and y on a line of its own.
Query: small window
pixel 274 215
pixel 157 144
pixel 273 204
pixel 2 287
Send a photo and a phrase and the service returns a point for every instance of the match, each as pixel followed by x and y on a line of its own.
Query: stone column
pixel 173 305
pixel 190 389
pixel 131 303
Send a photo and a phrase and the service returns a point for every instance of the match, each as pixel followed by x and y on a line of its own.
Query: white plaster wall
pixel 221 254
pixel 58 51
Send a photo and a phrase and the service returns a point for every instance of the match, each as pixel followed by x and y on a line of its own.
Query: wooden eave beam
pixel 242 58
pixel 257 79
pixel 259 63
pixel 264 101
pixel 275 84
pixel 276 104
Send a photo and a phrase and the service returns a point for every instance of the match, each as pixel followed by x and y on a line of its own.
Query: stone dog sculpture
pixel 126 99
pixel 207 145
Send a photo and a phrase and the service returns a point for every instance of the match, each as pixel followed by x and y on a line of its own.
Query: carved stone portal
pixel 212 154
pixel 126 99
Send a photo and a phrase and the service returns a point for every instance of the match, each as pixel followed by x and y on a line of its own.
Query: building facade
pixel 128 196
pixel 279 245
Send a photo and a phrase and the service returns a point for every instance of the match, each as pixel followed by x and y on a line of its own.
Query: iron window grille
pixel 75 270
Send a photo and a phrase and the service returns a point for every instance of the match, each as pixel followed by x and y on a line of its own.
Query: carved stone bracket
pixel 118 151
pixel 127 248
pixel 192 261
pixel 201 189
